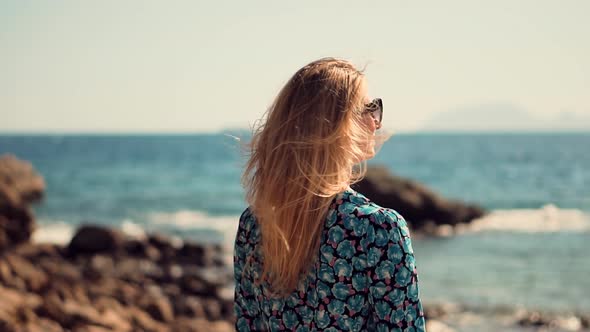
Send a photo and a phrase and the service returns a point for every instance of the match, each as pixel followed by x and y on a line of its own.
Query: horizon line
pixel 230 130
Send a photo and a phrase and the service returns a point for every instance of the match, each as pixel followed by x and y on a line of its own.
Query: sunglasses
pixel 375 107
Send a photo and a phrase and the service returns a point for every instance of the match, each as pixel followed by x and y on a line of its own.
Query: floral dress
pixel 364 280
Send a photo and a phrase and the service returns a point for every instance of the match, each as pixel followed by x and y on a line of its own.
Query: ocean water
pixel 531 250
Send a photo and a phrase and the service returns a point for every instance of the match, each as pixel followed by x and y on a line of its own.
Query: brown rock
pixel 213 309
pixel 172 291
pixel 102 265
pixel 33 277
pixel 72 314
pixel 196 286
pixel 16 224
pixel 190 306
pixel 20 186
pixel 42 325
pixel 144 322
pixel 91 328
pixel 36 251
pixel 16 309
pixel 115 320
pixel 200 324
pixel 5 272
pixel 160 309
pixel 20 176
pixel 167 246
pixel 139 248
pixel 103 303
pixel 61 269
pixel 12 300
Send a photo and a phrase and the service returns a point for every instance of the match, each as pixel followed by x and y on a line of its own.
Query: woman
pixel 310 252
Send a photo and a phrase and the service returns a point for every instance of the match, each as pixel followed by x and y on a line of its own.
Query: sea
pixel 532 250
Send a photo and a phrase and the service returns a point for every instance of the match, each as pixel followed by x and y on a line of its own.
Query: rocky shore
pixel 107 280
pixel 103 279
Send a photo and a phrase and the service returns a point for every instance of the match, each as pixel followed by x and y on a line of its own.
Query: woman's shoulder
pixel 351 205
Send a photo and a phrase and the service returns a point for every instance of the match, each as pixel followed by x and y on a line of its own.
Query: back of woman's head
pixel 307 150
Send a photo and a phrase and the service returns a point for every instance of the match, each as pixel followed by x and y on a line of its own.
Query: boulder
pixel 20 186
pixel 91 239
pixel 34 278
pixel 25 184
pixel 420 206
pixel 16 225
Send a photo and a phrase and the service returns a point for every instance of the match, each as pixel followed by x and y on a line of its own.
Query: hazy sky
pixel 187 66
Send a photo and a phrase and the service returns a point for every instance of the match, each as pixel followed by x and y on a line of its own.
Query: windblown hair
pixel 310 147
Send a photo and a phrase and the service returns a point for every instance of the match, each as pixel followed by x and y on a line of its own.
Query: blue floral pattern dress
pixel 364 280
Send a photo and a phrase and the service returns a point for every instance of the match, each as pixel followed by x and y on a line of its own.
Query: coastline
pixel 158 283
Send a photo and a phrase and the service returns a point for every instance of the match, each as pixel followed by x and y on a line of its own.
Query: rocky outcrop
pixel 420 206
pixel 127 284
pixel 20 186
pixel 103 280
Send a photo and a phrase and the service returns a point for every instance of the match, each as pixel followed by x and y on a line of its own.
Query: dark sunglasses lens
pixel 380 111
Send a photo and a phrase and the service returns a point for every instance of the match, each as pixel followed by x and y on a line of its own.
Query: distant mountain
pixel 504 117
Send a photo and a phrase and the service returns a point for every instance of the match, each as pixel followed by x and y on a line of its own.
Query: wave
pixel 53 231
pixel 61 231
pixel 191 219
pixel 547 219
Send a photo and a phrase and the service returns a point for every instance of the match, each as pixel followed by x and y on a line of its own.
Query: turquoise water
pixel 535 270
pixel 536 185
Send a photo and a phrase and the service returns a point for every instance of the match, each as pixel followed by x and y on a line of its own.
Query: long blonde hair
pixel 306 151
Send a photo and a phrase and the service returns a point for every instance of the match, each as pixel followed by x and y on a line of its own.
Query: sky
pixel 204 66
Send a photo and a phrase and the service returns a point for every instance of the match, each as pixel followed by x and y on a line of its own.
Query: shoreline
pixel 173 285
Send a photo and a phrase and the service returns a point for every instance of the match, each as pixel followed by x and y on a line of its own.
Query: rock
pixel 160 309
pixel 35 251
pixel 12 300
pixel 71 314
pixel 200 324
pixel 34 278
pixel 137 270
pixel 419 205
pixel 91 328
pixel 139 248
pixel 115 320
pixel 196 286
pixel 143 321
pixel 91 239
pixel 534 318
pixel 26 184
pixel 102 265
pixel 437 326
pixel 20 186
pixel 43 325
pixel 585 320
pixel 103 281
pixel 167 246
pixel 61 269
pixel 190 306
pixel 213 309
pixel 205 255
pixel 16 224
pixel 441 310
